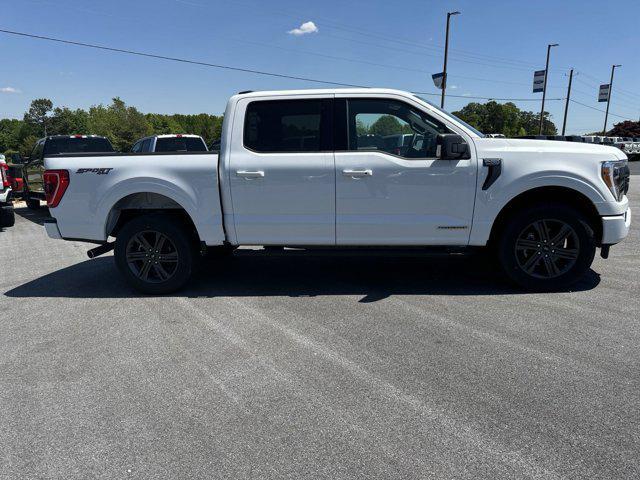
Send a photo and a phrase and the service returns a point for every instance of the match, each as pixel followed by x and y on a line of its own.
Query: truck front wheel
pixel 546 247
pixel 155 254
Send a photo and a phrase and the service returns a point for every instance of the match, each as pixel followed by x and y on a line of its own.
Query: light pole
pixel 606 115
pixel 566 105
pixel 446 54
pixel 544 88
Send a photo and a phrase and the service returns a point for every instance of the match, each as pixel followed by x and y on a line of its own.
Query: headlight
pixel 614 174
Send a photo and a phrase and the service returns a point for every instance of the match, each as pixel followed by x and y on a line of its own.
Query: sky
pixel 495 46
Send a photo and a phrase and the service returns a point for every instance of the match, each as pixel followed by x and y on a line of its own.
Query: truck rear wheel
pixel 155 254
pixel 546 247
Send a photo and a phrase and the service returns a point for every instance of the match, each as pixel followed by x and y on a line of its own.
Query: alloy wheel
pixel 547 248
pixel 152 256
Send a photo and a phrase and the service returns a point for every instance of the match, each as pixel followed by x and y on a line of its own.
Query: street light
pixel 544 88
pixel 606 115
pixel 446 54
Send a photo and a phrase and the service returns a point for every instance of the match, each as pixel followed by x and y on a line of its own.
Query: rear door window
pixel 286 126
pixel 180 144
pixel 146 145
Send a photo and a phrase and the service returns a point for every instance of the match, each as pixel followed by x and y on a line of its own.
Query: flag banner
pixel 603 94
pixel 438 79
pixel 539 80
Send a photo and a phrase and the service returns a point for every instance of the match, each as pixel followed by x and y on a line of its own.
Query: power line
pixel 598 110
pixel 226 67
pixel 181 60
pixel 490 98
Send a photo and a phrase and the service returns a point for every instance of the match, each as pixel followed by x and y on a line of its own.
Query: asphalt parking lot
pixel 303 367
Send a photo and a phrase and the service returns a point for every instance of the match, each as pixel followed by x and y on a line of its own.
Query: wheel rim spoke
pixel 142 241
pixel 566 253
pixel 531 263
pixel 162 273
pixel 562 235
pixel 526 244
pixel 136 256
pixel 144 271
pixel 550 265
pixel 169 257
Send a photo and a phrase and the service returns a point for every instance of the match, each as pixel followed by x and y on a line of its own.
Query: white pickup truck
pixel 320 168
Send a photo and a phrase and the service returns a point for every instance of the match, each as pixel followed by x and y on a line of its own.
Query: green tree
pixel 385 125
pixel 505 118
pixel 122 125
pixel 9 134
pixel 625 129
pixel 38 115
pixel 68 122
pixel 26 146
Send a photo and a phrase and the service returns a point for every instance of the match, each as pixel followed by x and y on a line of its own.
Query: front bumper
pixel 615 228
pixel 51 226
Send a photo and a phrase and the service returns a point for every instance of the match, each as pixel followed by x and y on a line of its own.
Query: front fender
pixel 490 203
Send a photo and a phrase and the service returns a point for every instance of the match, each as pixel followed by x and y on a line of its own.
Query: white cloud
pixel 304 29
pixel 9 90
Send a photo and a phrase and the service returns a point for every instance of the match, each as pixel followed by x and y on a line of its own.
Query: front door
pixel 282 172
pixel 391 189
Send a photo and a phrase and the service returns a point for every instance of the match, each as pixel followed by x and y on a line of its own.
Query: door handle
pixel 357 173
pixel 250 174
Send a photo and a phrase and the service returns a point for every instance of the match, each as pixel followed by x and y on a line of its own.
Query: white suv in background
pixel 170 143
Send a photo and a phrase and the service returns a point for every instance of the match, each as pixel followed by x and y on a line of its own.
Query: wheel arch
pixel 143 203
pixel 548 194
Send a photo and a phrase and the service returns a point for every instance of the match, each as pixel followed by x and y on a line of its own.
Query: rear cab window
pixel 55 146
pixel 180 144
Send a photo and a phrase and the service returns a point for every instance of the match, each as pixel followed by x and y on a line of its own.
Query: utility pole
pixel 566 105
pixel 446 54
pixel 606 115
pixel 544 88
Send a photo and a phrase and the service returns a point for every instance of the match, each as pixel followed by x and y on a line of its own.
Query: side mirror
pixel 452 146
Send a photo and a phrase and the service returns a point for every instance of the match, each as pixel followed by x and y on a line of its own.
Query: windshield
pixel 473 129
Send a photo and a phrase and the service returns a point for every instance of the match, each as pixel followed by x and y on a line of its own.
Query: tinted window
pixel 284 126
pixel 180 144
pixel 77 145
pixel 37 151
pixel 392 127
pixel 137 147
pixel 146 145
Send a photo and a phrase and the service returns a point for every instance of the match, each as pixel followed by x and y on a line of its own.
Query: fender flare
pixel 185 198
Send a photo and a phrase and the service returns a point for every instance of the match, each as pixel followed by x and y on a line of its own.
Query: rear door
pixel 282 171
pixel 391 189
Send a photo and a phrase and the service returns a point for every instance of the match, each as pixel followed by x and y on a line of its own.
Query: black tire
pixel 546 247
pixel 33 203
pixel 135 255
pixel 7 217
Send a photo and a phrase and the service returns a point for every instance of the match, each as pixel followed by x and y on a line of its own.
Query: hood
pixel 557 148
